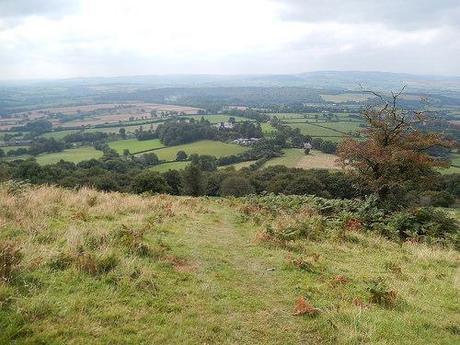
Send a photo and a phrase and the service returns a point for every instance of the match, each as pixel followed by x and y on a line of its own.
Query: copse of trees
pixel 181 132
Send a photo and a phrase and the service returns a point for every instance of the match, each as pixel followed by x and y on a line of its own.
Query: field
pixel 217 118
pixel 203 147
pixel 170 166
pixel 9 148
pixel 96 114
pixel 296 158
pixel 347 97
pixel 316 131
pixel 110 268
pixel 134 146
pixel 70 155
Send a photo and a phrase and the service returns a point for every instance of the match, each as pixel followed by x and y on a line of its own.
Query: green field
pixel 70 155
pixel 316 131
pixel 238 166
pixel 134 146
pixel 115 268
pixel 170 166
pixel 203 147
pixel 218 118
pixel 9 148
pixel 58 135
pixel 343 126
pixel 267 128
pixel 296 158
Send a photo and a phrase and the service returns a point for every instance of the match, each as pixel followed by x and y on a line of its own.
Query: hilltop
pixel 86 267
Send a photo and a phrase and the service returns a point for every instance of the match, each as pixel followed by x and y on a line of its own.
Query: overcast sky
pixel 78 38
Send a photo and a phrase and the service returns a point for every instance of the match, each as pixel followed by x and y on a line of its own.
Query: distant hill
pixel 340 80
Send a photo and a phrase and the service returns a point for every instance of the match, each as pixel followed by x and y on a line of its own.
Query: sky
pixel 86 38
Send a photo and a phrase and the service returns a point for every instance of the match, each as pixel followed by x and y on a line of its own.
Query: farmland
pixel 347 97
pixel 203 147
pixel 296 158
pixel 71 155
pixel 134 146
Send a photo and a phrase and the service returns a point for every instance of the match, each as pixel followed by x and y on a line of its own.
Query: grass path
pixel 244 282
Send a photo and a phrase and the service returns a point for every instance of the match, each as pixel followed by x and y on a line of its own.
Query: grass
pixel 9 148
pixel 346 97
pixel 170 166
pixel 316 131
pixel 218 118
pixel 115 268
pixel 58 135
pixel 203 147
pixel 134 146
pixel 267 128
pixel 70 155
pixel 296 158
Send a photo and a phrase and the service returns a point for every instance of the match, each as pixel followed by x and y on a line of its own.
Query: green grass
pixel 59 134
pixel 290 158
pixel 238 166
pixel 316 131
pixel 71 155
pixel 203 147
pixel 9 148
pixel 170 166
pixel 267 128
pixel 112 268
pixel 218 118
pixel 135 146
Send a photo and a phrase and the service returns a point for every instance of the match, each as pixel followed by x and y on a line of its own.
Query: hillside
pixel 86 267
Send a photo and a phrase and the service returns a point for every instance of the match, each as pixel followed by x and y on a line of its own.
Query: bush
pixel 236 186
pixel 425 223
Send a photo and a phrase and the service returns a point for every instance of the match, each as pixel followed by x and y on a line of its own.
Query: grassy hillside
pixel 85 267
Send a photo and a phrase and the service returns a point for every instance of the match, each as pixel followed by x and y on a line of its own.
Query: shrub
pixel 425 223
pixel 236 186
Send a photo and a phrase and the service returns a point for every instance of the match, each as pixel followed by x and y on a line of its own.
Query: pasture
pixel 347 97
pixel 203 147
pixel 71 155
pixel 134 146
pixel 296 158
pixel 170 166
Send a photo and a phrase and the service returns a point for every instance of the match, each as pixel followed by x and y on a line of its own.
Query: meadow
pixel 296 158
pixel 134 146
pixel 88 267
pixel 70 155
pixel 203 147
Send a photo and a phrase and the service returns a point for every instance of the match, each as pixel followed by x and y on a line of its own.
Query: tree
pixel 181 156
pixel 150 181
pixel 394 155
pixel 126 152
pixel 236 186
pixel 193 180
pixel 122 133
pixel 174 180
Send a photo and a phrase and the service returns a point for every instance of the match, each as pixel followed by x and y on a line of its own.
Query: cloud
pixel 72 38
pixel 399 14
pixel 22 8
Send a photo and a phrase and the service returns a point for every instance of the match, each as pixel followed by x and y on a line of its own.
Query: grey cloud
pixel 13 9
pixel 399 14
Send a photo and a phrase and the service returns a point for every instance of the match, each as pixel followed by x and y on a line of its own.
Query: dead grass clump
pixel 133 239
pixel 339 280
pixel 302 264
pixel 290 227
pixel 10 257
pixel 95 264
pixel 381 294
pixel 304 307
